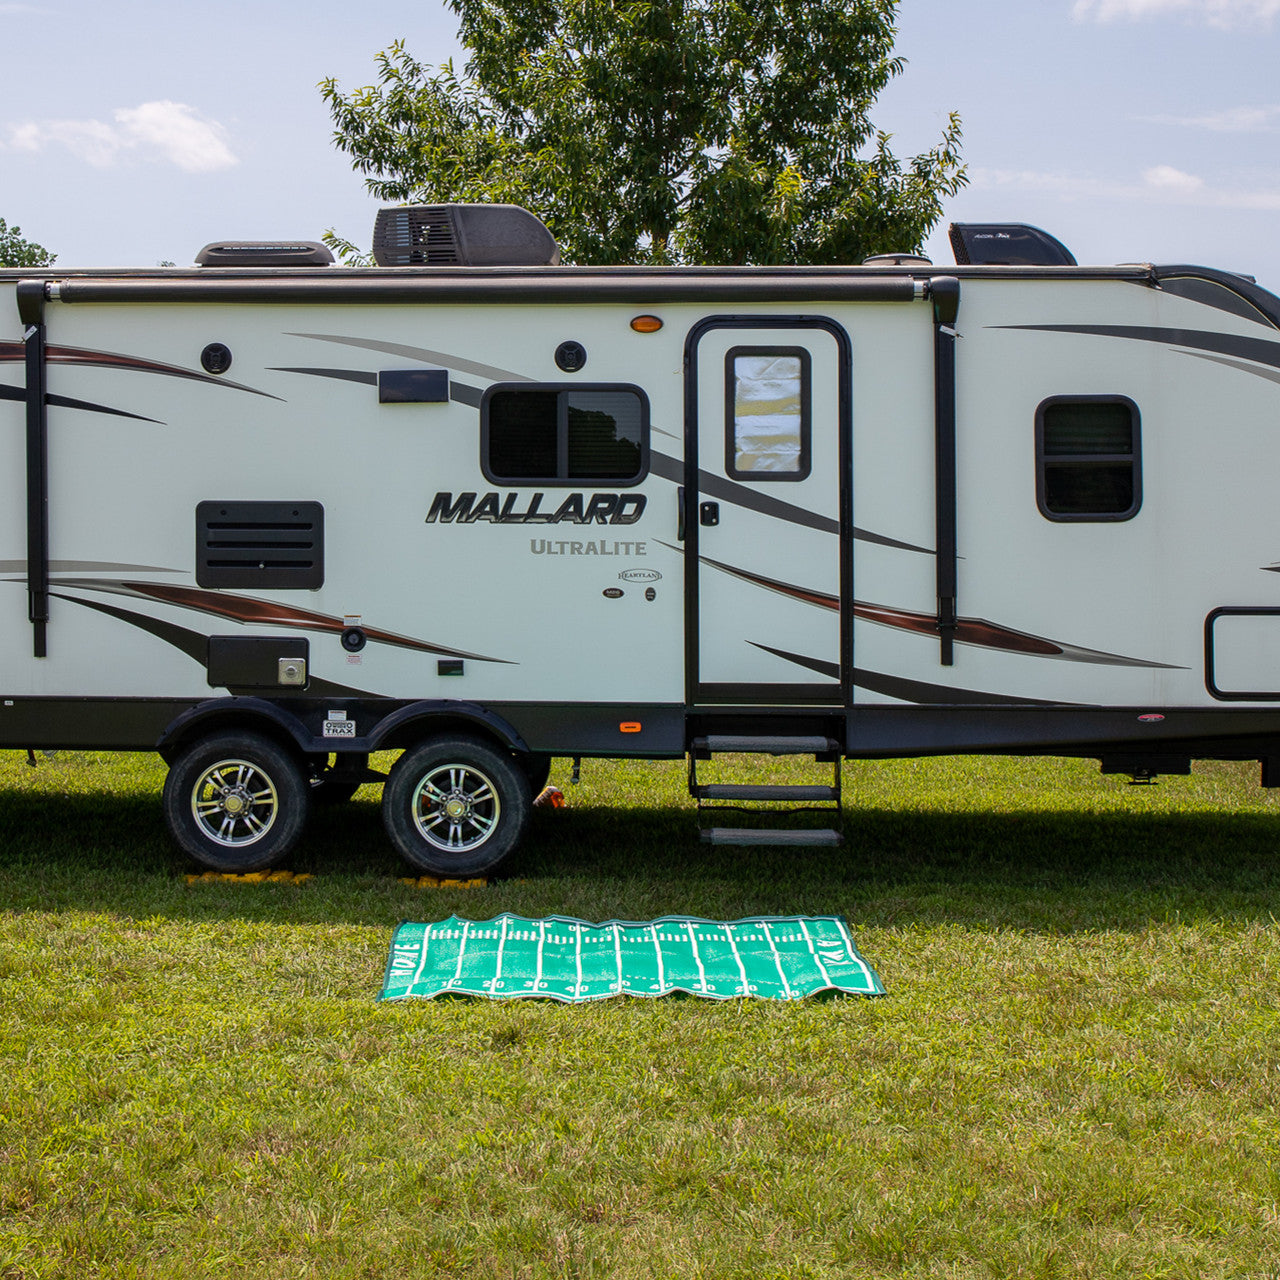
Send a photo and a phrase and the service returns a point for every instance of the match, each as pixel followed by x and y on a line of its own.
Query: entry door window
pixel 767 413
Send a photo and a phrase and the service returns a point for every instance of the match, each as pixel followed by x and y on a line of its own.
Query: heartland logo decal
pixel 575 508
pixel 640 575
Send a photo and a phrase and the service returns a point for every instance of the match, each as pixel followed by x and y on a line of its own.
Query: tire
pixel 537 769
pixel 236 801
pixel 456 806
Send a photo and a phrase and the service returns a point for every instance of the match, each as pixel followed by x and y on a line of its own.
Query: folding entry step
pixel 720 797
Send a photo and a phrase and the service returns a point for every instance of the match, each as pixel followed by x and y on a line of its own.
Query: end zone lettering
pixel 576 508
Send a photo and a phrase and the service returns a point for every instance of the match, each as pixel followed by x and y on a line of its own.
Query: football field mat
pixel 559 958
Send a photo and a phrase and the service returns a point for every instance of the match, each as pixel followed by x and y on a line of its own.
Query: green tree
pixel 718 131
pixel 17 252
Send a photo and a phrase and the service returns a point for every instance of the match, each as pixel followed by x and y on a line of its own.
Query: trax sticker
pixel 640 575
pixel 338 726
pixel 575 508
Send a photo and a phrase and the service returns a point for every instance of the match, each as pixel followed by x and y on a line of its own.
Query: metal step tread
pixel 746 791
pixel 753 835
pixel 773 746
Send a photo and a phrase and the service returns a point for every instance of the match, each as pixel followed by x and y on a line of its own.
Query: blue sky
pixel 1134 130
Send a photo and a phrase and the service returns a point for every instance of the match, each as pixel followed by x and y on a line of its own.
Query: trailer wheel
pixel 455 806
pixel 236 801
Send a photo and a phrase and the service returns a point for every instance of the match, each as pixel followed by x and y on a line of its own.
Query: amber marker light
pixel 646 324
pixel 629 726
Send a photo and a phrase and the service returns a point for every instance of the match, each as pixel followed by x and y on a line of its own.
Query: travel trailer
pixel 268 515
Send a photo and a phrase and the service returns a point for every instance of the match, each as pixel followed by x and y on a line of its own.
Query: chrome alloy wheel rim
pixel 455 807
pixel 234 803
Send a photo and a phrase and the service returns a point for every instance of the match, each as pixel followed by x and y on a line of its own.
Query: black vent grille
pixel 260 544
pixel 419 236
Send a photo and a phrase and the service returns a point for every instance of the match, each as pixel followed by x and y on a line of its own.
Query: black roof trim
pixel 1255 297
pixel 436 285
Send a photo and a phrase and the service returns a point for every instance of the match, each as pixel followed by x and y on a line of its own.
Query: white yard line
pixel 462 951
pixel 693 942
pixel 662 977
pixel 853 953
pixel 617 953
pixel 502 942
pixel 777 959
pixel 577 955
pixel 542 938
pixel 733 942
pixel 422 962
pixel 822 968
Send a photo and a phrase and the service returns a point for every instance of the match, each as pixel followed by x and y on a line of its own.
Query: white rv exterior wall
pixel 1126 600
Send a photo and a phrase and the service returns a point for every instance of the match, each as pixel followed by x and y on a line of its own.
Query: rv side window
pixel 540 433
pixel 1088 458
pixel 767 412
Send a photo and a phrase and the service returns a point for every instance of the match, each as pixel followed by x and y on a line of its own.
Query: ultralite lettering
pixel 544 547
pixel 576 508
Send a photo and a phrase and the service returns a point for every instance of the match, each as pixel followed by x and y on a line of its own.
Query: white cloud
pixel 1225 14
pixel 1164 177
pixel 170 131
pixel 1160 184
pixel 1233 120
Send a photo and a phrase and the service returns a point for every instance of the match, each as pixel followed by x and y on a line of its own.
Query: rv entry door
pixel 767 502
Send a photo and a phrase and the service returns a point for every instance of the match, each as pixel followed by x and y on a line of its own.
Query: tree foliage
pixel 718 131
pixel 17 252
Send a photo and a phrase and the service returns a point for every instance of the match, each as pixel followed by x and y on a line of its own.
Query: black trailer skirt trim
pixel 606 729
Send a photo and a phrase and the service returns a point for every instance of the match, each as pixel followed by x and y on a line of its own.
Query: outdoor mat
pixel 559 958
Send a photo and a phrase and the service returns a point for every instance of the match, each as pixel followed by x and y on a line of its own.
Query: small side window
pixel 539 433
pixel 1088 458
pixel 767 398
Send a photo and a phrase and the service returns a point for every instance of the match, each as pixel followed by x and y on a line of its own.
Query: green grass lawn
pixel 1076 1071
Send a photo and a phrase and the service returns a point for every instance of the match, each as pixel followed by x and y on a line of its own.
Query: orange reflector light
pixel 629 726
pixel 646 324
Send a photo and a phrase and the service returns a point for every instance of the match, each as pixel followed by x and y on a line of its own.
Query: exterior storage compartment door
pixel 767 511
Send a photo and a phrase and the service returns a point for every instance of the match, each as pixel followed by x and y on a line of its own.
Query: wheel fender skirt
pixel 420 715
pixel 299 726
pixel 244 713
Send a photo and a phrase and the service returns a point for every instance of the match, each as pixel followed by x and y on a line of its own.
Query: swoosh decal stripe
pixel 909 690
pixel 489 371
pixel 1259 350
pixel 14 352
pixel 974 631
pixel 268 613
pixel 66 402
pixel 669 468
pixel 196 646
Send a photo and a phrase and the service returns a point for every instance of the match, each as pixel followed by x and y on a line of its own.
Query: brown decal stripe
pixel 15 353
pixel 974 631
pixel 266 613
pixel 196 646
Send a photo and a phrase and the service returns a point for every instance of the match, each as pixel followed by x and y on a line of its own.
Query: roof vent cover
pixel 264 253
pixel 466 235
pixel 1007 244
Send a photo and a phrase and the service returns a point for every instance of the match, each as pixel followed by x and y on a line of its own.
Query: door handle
pixel 709 513
pixel 680 513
